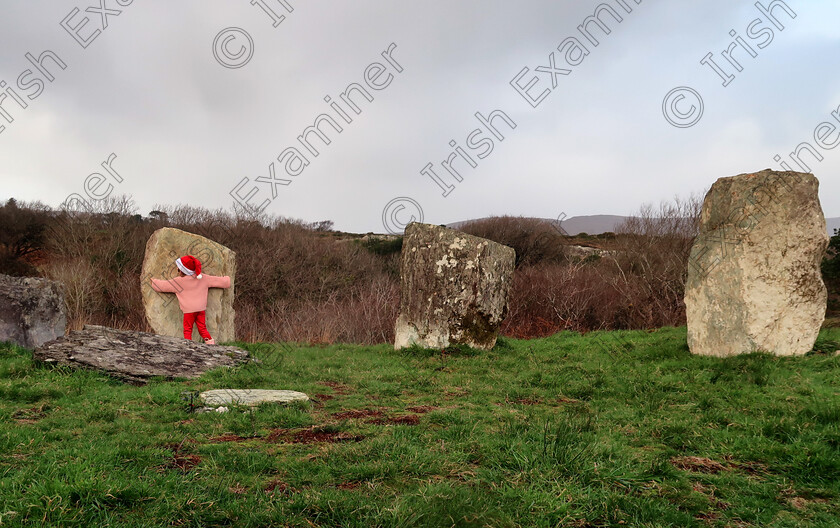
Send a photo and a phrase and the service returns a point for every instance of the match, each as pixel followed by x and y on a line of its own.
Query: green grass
pixel 607 429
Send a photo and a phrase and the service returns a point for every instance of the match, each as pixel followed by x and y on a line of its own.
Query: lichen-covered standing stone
pixel 162 310
pixel 454 288
pixel 32 310
pixel 754 281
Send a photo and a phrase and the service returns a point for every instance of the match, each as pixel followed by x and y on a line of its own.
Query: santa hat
pixel 189 265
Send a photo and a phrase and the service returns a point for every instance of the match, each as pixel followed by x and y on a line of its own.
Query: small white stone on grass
pixel 250 397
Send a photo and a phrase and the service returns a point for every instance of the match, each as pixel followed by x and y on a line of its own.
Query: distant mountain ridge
pixel 597 224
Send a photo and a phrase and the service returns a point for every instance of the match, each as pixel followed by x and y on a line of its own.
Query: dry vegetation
pixel 303 282
pixel 294 281
pixel 637 281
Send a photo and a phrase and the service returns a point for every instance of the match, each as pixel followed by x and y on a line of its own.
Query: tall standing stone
pixel 454 288
pixel 32 310
pixel 162 310
pixel 754 281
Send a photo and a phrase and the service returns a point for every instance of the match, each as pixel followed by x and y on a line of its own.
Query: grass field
pixel 606 429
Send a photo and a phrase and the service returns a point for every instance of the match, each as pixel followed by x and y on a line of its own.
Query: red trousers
pixel 196 318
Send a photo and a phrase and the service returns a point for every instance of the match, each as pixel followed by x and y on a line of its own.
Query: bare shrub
pixel 651 262
pixel 366 316
pixel 372 311
pixel 638 283
pixel 82 285
pixel 535 240
pixel 297 281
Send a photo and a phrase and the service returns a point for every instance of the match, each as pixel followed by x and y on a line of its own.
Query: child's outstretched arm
pixel 217 282
pixel 165 286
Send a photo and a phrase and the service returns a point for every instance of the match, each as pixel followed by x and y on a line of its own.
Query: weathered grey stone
pixel 583 252
pixel 162 310
pixel 754 281
pixel 221 409
pixel 32 310
pixel 454 288
pixel 250 397
pixel 137 356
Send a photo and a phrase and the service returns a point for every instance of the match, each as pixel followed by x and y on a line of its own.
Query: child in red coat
pixel 191 290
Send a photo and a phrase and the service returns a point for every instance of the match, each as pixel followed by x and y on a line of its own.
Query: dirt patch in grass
pixel 707 516
pixel 179 459
pixel 455 392
pixel 698 464
pixel 278 487
pixel 562 399
pixel 527 401
pixel 311 436
pixel 227 437
pixel 421 409
pixel 323 397
pixel 408 419
pixel 753 468
pixel 707 465
pixel 799 502
pixel 355 414
pixel 337 387
pixel 184 462
pixel 30 415
pixel 349 485
pixel 709 493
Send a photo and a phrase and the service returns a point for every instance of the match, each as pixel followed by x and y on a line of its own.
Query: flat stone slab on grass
pixel 137 356
pixel 250 397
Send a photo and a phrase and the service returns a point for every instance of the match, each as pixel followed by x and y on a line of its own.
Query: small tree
pixel 536 241
pixel 652 257
pixel 831 270
pixel 22 233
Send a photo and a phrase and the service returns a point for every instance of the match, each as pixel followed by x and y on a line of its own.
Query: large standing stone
pixel 754 281
pixel 454 288
pixel 137 356
pixel 32 310
pixel 162 310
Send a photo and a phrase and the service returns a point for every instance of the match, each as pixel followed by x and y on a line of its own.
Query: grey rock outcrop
pixel 162 310
pixel 584 252
pixel 32 310
pixel 453 289
pixel 754 281
pixel 137 356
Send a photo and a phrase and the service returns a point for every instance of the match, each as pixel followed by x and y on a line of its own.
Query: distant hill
pixel 597 224
pixel 592 224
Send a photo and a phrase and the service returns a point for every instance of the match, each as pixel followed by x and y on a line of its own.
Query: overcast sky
pixel 190 110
